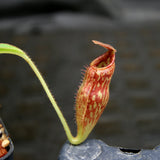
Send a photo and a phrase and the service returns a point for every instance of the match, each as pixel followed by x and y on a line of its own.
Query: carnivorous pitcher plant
pixel 92 96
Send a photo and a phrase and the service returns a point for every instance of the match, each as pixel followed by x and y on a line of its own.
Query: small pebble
pixel 2 129
pixel 5 143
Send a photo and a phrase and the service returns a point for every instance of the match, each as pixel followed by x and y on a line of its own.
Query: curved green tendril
pixel 10 49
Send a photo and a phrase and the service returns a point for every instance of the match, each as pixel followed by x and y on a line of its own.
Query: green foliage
pixel 10 49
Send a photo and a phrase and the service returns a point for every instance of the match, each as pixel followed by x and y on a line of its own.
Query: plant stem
pixel 9 49
pixel 51 98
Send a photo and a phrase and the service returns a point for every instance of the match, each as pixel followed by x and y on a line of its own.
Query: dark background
pixel 57 35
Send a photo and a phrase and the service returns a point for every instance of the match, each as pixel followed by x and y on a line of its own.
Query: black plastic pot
pixel 98 150
pixel 9 155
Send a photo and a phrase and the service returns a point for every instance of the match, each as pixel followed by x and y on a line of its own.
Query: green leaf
pixel 10 49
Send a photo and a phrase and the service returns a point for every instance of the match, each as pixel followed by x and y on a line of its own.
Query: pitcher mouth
pixel 107 59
